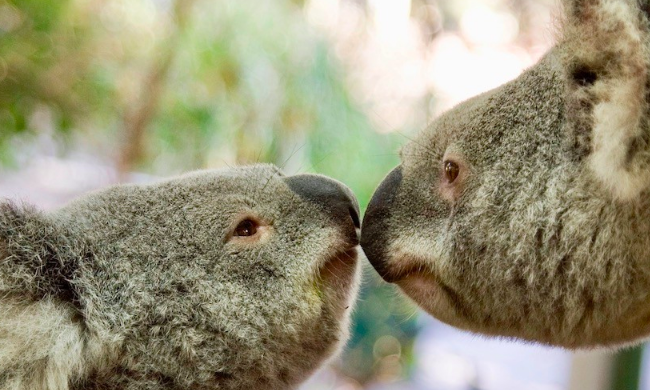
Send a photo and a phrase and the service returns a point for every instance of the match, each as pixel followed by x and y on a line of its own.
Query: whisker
pixel 294 150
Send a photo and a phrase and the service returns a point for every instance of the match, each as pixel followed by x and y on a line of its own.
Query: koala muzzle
pixel 333 197
pixel 374 235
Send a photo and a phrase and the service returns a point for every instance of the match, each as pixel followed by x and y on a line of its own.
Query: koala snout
pixel 375 223
pixel 333 197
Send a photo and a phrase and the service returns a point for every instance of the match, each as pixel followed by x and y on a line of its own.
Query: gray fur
pixel 143 287
pixel 545 234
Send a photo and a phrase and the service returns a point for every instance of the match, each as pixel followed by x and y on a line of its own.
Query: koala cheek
pixel 449 192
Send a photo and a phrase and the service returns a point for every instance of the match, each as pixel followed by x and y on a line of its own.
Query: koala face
pixel 524 212
pixel 233 279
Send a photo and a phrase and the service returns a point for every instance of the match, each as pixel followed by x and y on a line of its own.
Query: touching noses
pixel 374 240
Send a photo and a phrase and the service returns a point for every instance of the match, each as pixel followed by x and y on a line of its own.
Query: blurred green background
pixel 158 87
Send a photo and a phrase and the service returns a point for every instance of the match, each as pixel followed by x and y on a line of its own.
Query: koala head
pixel 231 279
pixel 525 212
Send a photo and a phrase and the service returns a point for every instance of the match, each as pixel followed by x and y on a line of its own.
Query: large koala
pixel 232 279
pixel 525 211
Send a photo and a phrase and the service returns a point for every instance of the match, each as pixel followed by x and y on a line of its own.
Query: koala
pixel 240 278
pixel 524 212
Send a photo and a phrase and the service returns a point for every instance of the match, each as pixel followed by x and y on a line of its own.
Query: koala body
pixel 234 279
pixel 525 211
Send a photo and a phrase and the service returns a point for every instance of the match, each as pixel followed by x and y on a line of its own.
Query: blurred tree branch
pixel 136 119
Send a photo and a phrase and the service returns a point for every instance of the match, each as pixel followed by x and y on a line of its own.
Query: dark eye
pixel 246 228
pixel 451 171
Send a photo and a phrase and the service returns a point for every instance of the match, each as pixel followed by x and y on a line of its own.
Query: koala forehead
pixel 197 212
pixel 262 182
pixel 203 199
pixel 520 119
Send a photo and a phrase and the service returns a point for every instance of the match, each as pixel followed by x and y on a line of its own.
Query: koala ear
pixel 606 58
pixel 38 258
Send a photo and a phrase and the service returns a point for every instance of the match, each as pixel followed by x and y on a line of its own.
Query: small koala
pixel 240 278
pixel 525 211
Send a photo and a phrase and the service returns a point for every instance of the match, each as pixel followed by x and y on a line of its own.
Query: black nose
pixel 335 198
pixel 375 232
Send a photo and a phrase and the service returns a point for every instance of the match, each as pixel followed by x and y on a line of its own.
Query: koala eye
pixel 451 171
pixel 246 228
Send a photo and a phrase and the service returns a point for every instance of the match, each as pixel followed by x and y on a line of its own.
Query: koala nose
pixel 374 237
pixel 334 197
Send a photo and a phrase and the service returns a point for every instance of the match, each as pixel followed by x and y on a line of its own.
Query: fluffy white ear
pixel 607 60
pixel 44 341
pixel 41 345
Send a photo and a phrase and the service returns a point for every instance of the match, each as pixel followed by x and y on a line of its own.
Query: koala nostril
pixel 355 217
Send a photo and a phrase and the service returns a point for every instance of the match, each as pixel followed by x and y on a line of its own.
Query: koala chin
pixel 230 279
pixel 525 211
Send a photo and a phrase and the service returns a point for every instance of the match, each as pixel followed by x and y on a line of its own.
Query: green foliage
pixel 42 67
pixel 380 313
